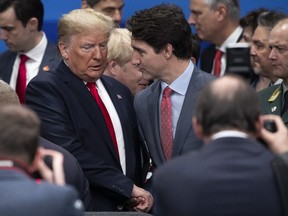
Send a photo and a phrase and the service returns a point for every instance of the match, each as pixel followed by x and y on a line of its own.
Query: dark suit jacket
pixel 227 177
pixel 7 59
pixel 73 173
pixel 147 109
pixel 21 196
pixel 207 58
pixel 280 166
pixel 271 101
pixel 71 118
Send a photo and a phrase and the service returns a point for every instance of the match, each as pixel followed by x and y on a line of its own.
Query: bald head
pixel 226 87
pixel 228 103
pixel 7 94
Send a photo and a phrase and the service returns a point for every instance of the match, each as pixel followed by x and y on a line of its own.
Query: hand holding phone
pixel 55 173
pixel 277 141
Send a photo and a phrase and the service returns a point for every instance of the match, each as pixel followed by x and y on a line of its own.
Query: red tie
pixel 166 123
pixel 21 79
pixel 93 90
pixel 217 62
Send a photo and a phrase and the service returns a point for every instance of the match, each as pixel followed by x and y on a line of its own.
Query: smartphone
pixel 270 126
pixel 238 60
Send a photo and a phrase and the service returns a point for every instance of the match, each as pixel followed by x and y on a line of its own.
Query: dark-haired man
pixel 112 8
pixel 166 130
pixel 29 50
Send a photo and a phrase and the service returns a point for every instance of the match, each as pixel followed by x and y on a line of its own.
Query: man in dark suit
pixel 21 23
pixel 168 62
pixel 217 22
pixel 274 99
pixel 232 173
pixel 92 115
pixel 20 156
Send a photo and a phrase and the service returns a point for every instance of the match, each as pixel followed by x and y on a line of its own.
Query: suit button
pixel 120 207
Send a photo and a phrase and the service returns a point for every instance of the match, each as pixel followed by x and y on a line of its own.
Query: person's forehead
pixel 8 15
pixel 262 32
pixel 198 4
pixel 279 31
pixel 108 3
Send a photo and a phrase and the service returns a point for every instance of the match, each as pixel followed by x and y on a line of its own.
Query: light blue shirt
pixel 179 87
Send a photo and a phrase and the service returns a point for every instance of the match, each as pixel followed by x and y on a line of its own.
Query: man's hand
pixel 277 141
pixel 141 200
pixel 56 175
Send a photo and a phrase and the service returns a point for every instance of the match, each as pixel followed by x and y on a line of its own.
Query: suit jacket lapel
pixel 89 104
pixel 6 66
pixel 153 115
pixel 50 60
pixel 184 124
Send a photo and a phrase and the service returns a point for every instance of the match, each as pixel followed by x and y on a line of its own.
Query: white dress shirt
pixel 32 64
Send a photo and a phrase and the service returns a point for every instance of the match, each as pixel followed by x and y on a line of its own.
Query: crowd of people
pixel 137 118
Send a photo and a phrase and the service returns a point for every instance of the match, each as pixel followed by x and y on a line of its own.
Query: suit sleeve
pixel 46 99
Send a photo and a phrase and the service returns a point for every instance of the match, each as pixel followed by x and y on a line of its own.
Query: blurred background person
pixel 232 171
pixel 119 58
pixel 111 8
pixel 29 50
pixel 249 23
pixel 217 22
pixel 260 50
pixel 274 99
pixel 20 157
pixel 72 171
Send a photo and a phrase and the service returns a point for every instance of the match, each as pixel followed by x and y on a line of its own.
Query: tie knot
pixel 91 85
pixel 23 58
pixel 167 92
pixel 218 54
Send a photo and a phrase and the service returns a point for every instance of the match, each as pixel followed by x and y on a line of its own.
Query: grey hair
pixel 233 7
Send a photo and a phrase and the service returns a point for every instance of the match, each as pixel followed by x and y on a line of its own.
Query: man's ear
pixel 193 60
pixel 112 67
pixel 222 11
pixel 168 51
pixel 197 128
pixel 64 51
pixel 33 24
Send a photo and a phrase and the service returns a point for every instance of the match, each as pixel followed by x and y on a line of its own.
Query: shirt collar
pixel 233 38
pixel 180 85
pixel 229 133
